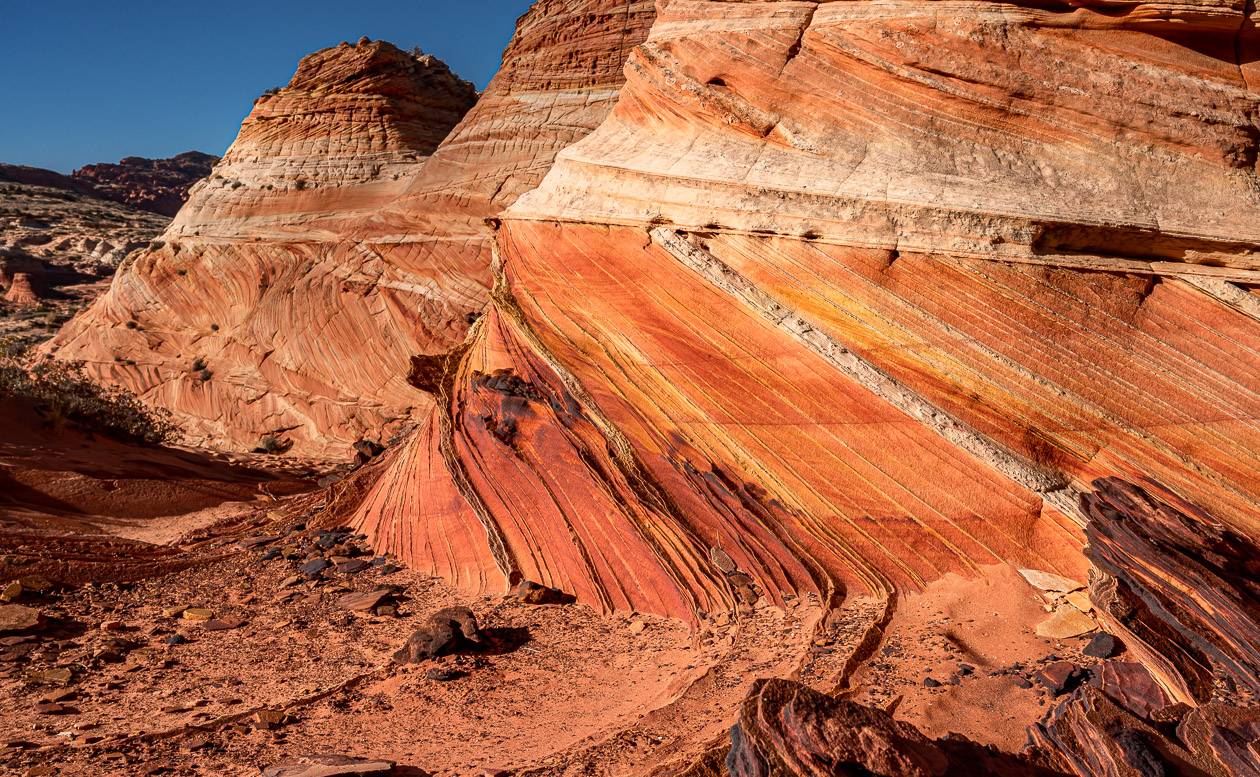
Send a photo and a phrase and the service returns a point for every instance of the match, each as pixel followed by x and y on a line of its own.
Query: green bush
pixel 64 396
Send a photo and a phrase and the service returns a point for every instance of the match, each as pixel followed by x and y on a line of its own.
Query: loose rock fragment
pixel 18 618
pixel 1048 581
pixel 364 601
pixel 1061 677
pixel 12 592
pixel 722 560
pixel 444 633
pixel 1066 622
pixel 530 592
pixel 1103 645
pixel 328 766
pixel 1130 685
pixel 269 719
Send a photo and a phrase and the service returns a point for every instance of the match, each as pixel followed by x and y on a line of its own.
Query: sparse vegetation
pixel 299 184
pixel 273 445
pixel 65 397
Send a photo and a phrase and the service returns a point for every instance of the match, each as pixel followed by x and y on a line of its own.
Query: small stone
pixel 1061 677
pixel 1066 622
pixel 174 612
pixel 290 581
pixel 55 708
pixel 198 614
pixel 113 626
pixel 637 627
pixel 314 568
pixel 328 766
pixel 931 682
pixel 269 719
pixel 363 601
pixel 446 629
pixel 194 743
pixel 530 592
pixel 12 592
pixel 722 561
pixel 1132 686
pixel 255 542
pixel 387 610
pixel 1080 600
pixel 443 674
pixel 66 695
pixel 353 565
pixel 1048 581
pixel 1103 645
pixel 35 584
pixel 15 618
pixel 51 677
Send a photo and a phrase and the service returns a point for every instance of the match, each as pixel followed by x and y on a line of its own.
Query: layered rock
pixel 22 291
pixel 303 330
pixel 325 251
pixel 857 295
pixel 1171 578
pixel 156 185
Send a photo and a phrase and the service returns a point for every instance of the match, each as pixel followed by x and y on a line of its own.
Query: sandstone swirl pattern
pixel 856 294
pixel 338 238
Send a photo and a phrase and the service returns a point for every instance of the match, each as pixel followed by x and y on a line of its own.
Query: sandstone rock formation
pixel 156 185
pixel 859 295
pixel 325 252
pixel 1183 589
pixel 22 291
pixel 256 279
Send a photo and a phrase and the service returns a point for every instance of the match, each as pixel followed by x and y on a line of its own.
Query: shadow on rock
pixel 498 641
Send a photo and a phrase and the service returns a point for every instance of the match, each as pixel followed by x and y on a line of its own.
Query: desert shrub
pixel 272 444
pixel 64 396
pixel 299 184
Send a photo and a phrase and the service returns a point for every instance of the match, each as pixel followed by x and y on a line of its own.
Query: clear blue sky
pixel 95 80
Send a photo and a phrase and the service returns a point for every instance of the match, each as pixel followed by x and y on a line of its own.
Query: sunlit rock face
pixel 843 297
pixel 338 238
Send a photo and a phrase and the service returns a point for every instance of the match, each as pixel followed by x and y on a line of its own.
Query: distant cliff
pixel 156 185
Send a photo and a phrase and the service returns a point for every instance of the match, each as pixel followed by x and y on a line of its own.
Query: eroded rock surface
pixel 304 329
pixel 328 248
pixel 862 295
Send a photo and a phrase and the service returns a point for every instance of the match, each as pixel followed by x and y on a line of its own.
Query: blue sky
pixel 93 81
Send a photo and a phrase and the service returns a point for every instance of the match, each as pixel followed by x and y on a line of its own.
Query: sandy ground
pixel 556 689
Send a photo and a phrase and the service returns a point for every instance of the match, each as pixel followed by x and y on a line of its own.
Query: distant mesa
pixel 154 185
